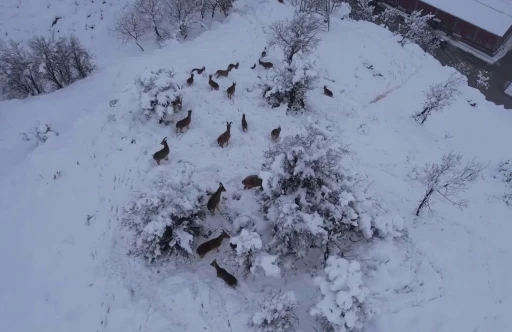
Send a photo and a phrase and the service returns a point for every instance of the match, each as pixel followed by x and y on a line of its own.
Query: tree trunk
pixel 137 42
pixel 424 201
pixel 156 31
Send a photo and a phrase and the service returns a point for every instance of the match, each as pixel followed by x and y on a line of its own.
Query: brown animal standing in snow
pixel 198 70
pixel 244 123
pixel 180 125
pixel 266 65
pixel 209 245
pixel 252 181
pixel 231 90
pixel 224 275
pixel 275 133
pixel 327 92
pixel 190 80
pixel 162 154
pixel 213 202
pixel 231 66
pixel 225 136
pixel 213 84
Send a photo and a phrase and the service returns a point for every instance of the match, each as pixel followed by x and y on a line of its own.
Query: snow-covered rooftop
pixel 494 16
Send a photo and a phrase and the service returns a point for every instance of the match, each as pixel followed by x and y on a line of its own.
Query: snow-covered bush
pixel 289 85
pixel 277 314
pixel 47 65
pixel 164 218
pixel 246 244
pixel 39 133
pixel 157 91
pixel 482 80
pixel 309 199
pixel 363 10
pixel 343 305
pixel 417 30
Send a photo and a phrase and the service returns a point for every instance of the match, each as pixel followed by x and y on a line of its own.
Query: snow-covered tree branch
pixel 446 180
pixel 277 314
pixel 297 36
pixel 439 96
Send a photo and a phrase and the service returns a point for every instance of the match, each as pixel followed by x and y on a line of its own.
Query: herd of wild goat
pixel 249 182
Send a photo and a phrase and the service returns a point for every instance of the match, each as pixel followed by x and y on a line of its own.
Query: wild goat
pixel 231 66
pixel 231 90
pixel 225 136
pixel 252 181
pixel 162 154
pixel 213 202
pixel 190 80
pixel 180 125
pixel 213 84
pixel 177 104
pixel 327 92
pixel 244 123
pixel 266 65
pixel 275 133
pixel 264 53
pixel 253 66
pixel 224 275
pixel 198 70
pixel 209 245
pixel 223 73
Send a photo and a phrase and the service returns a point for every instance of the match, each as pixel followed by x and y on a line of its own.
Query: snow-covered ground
pixel 64 250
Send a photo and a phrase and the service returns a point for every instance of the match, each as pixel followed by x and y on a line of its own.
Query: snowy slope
pixel 64 250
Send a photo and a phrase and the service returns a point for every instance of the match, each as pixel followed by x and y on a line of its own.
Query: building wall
pixel 470 34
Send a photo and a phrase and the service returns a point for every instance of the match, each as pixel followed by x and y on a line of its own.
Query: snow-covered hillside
pixel 64 246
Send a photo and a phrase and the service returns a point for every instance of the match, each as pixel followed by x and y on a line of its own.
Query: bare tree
pixel 19 73
pixel 181 14
pixel 325 8
pixel 131 25
pixel 81 59
pixel 439 96
pixel 298 35
pixel 446 180
pixel 152 11
pixel 44 50
pixel 209 5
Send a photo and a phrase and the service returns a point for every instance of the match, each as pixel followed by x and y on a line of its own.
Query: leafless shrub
pixel 152 12
pixel 181 14
pixel 131 25
pixel 39 133
pixel 446 180
pixel 322 7
pixel 19 73
pixel 439 96
pixel 363 10
pixel 296 36
pixel 47 65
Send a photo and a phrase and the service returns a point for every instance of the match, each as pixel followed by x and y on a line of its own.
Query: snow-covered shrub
pixel 482 80
pixel 39 133
pixel 417 30
pixel 164 218
pixel 289 85
pixel 309 199
pixel 342 307
pixel 157 91
pixel 181 14
pixel 363 10
pixel 277 314
pixel 268 263
pixel 246 244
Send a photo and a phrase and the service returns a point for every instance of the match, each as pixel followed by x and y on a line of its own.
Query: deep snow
pixel 64 251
